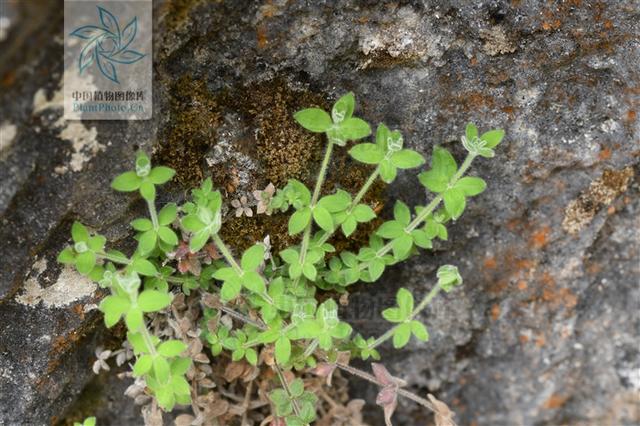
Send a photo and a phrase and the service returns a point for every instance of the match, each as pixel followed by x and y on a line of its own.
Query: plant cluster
pixel 261 308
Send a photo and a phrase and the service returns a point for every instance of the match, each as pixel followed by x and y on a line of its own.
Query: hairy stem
pixel 423 304
pixel 304 246
pixel 153 214
pixel 285 386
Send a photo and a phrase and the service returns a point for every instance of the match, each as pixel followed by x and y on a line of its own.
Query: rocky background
pixel 545 329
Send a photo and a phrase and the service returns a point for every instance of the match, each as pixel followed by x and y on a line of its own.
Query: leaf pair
pixel 247 276
pixel 442 179
pixel 387 153
pixel 403 315
pixel 149 236
pixel 340 126
pixel 85 251
pixel 144 178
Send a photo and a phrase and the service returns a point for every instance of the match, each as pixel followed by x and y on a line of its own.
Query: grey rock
pixel 545 329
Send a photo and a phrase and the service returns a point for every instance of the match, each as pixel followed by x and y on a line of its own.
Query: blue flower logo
pixel 107 45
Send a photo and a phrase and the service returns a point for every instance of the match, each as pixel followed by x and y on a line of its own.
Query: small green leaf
pixel 160 175
pixel 401 335
pixel 323 218
pixel 314 119
pixel 85 262
pixel 388 171
pixel 391 229
pixel 407 159
pixel 161 369
pixel 471 131
pixel 363 213
pixel 147 241
pixel 142 224
pixel 392 315
pixel 419 330
pixel 172 348
pixel 167 214
pixel 434 181
pixel 443 163
pixel 402 246
pixel 142 365
pixel 126 182
pixel 252 257
pixel 471 186
pixel 198 240
pixel 404 299
pixel 144 267
pixel 192 223
pixel 167 235
pixel 349 225
pixel 79 232
pixel 309 271
pixel 296 388
pixel 367 153
pixel 299 220
pixel 354 128
pixel 289 255
pixel 67 256
pixel 148 191
pixel 343 108
pixel 254 282
pixel 492 137
pixel 283 350
pixel 133 318
pixel 153 300
pixel 454 202
pixel 230 290
pixel 401 213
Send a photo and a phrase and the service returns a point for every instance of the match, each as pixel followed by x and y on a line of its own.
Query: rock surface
pixel 545 329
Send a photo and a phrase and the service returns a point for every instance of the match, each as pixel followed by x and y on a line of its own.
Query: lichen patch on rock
pixel 600 193
pixel 84 143
pixel 8 133
pixel 69 287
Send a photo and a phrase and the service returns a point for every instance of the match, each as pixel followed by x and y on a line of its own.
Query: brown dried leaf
pixel 233 371
pixel 443 415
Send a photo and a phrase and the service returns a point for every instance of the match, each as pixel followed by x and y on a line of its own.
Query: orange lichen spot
pixel 540 238
pixel 261 35
pixel 555 401
pixel 522 285
pixel 473 61
pixel 611 210
pixel 490 262
pixel 608 24
pixel 524 339
pixel 604 154
pixel 540 340
pixel 495 312
pixel 631 115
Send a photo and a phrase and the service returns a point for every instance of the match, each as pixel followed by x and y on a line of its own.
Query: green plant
pixel 269 301
pixel 89 421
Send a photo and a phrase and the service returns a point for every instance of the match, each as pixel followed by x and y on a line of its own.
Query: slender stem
pixel 304 246
pixel 365 188
pixel 311 348
pixel 226 253
pixel 285 386
pixel 153 214
pixel 114 258
pixel 146 336
pixel 423 304
pixel 321 174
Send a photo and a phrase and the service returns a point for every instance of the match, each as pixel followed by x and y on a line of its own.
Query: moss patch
pixel 191 131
